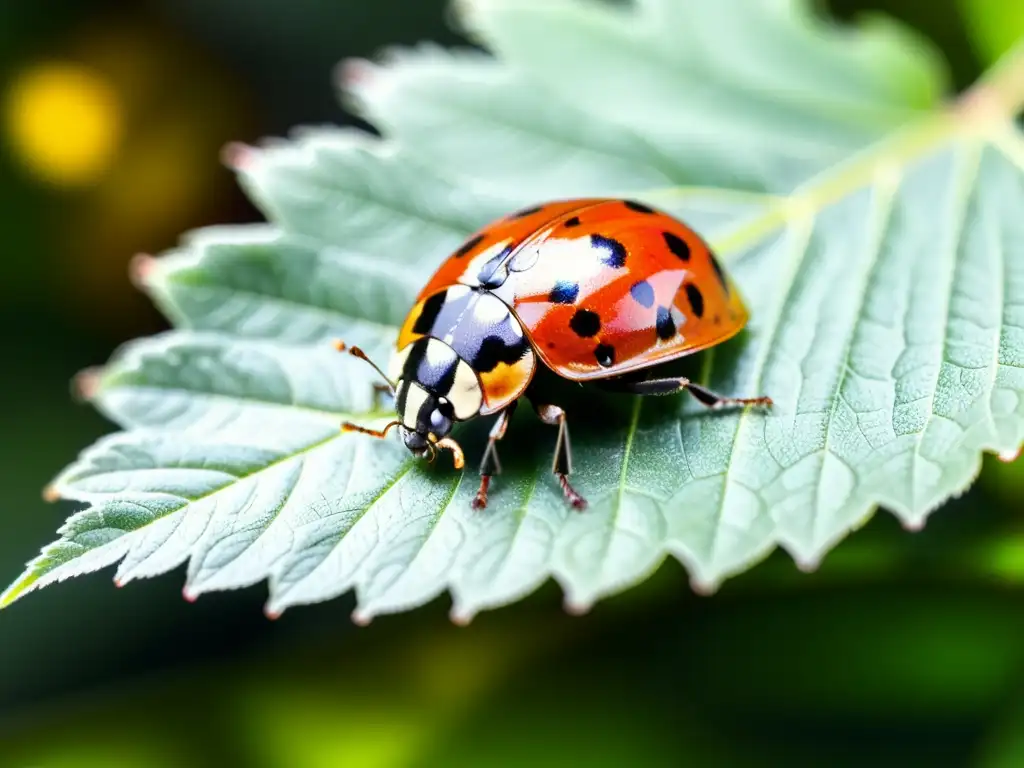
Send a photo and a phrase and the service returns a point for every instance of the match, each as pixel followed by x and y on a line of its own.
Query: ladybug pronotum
pixel 591 288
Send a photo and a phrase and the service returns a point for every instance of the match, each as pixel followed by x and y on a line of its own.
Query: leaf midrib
pixel 126 381
pixel 67 491
pixel 898 149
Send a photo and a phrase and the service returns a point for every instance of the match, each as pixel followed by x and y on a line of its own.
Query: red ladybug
pixel 591 289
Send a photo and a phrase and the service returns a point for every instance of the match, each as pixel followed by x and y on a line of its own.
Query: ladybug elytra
pixel 590 288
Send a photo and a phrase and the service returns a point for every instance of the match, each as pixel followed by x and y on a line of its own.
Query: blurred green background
pixel 902 649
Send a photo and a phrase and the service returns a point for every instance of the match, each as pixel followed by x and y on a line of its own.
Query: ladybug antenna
pixel 456 450
pixel 341 346
pixel 348 426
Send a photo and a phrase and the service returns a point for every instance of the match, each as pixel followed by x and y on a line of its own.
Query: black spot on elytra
pixel 585 323
pixel 605 355
pixel 564 292
pixel 718 271
pixel 633 205
pixel 696 299
pixel 677 245
pixel 573 222
pixel 431 309
pixel 527 212
pixel 665 325
pixel 614 252
pixel 494 350
pixel 468 246
pixel 642 293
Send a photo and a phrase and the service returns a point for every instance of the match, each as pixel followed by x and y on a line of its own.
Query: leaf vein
pixel 799 253
pixel 886 206
pixel 970 174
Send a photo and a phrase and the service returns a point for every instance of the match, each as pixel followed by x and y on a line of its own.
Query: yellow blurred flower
pixel 64 122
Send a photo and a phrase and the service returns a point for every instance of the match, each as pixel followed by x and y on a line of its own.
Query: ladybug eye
pixel 440 424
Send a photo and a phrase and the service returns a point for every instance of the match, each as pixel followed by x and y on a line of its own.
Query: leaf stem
pixel 998 96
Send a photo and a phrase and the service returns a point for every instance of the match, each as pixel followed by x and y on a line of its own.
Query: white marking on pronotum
pixel 398 362
pixel 437 354
pixel 465 396
pixel 414 400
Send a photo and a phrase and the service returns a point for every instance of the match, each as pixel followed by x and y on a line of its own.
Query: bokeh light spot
pixel 64 122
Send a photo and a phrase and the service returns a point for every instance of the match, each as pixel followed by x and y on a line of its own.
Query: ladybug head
pixel 426 419
pixel 426 411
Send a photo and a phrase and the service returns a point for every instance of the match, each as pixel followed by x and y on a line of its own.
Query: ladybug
pixel 590 288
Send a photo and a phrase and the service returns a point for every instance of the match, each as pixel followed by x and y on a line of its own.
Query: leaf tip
pixel 361 618
pixel 51 494
pixel 1010 455
pixel 913 525
pixel 808 564
pixel 86 383
pixel 272 613
pixel 141 269
pixel 577 607
pixel 354 73
pixel 461 617
pixel 703 587
pixel 238 156
pixel 190 595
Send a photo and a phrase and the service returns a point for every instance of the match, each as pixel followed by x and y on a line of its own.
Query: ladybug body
pixel 591 289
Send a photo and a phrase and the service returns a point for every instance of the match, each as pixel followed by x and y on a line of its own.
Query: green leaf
pixel 875 236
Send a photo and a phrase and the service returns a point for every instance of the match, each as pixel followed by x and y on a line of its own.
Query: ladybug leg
pixel 491 464
pixel 714 400
pixel 671 386
pixel 562 465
